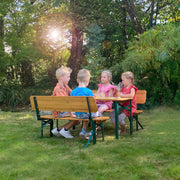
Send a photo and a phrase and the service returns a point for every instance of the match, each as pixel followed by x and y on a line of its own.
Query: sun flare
pixel 54 34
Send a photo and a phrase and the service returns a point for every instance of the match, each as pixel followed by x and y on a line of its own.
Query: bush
pixel 177 100
pixel 154 59
pixel 15 96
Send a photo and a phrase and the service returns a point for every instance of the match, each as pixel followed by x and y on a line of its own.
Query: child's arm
pixel 110 93
pixel 131 95
pixel 97 93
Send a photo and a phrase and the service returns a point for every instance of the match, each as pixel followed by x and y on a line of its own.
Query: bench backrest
pixel 64 103
pixel 140 96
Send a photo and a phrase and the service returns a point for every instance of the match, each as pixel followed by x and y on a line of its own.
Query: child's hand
pixel 119 94
pixel 119 86
pixel 72 115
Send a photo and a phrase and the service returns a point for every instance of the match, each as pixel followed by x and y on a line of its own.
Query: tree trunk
pixel 124 25
pixel 1 36
pixel 75 58
pixel 129 5
pixel 151 14
pixel 157 11
pixel 26 74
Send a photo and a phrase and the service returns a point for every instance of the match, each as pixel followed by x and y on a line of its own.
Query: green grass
pixel 151 153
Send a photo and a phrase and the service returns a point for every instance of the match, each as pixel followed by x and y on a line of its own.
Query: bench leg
pixel 51 127
pixel 43 123
pixel 138 123
pixel 57 123
pixel 136 118
pixel 93 135
pixel 102 131
pixel 42 128
pixel 94 132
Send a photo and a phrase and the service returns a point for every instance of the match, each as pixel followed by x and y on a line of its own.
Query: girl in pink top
pixel 106 89
pixel 128 90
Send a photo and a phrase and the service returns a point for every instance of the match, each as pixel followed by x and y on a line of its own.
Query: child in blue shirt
pixel 83 78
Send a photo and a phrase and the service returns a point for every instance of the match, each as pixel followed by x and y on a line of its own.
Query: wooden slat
pixel 140 96
pixel 64 103
pixel 138 112
pixel 101 118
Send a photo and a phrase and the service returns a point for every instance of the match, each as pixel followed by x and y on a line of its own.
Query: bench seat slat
pixel 99 119
pixel 138 112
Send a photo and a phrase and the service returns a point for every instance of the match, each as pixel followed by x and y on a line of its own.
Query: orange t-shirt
pixel 61 91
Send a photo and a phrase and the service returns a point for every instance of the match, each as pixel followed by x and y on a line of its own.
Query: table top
pixel 112 99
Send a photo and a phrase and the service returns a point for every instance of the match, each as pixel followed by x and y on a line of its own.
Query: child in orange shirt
pixel 62 89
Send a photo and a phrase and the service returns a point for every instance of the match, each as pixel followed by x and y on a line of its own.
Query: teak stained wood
pixel 140 96
pixel 64 103
pixel 67 104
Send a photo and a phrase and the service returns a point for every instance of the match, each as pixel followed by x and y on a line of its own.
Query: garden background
pixel 39 36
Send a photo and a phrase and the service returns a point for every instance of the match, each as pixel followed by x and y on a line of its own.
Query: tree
pixel 3 56
pixel 154 59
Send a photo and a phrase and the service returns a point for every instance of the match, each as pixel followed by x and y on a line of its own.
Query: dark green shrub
pixel 16 96
pixel 177 99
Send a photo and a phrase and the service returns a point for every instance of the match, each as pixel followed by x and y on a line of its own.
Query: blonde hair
pixel 83 75
pixel 109 74
pixel 129 75
pixel 62 71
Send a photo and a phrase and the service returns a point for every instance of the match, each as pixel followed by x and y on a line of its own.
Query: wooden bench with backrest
pixel 140 99
pixel 67 104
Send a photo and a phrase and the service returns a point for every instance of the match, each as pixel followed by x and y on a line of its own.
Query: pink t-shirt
pixel 105 90
pixel 127 91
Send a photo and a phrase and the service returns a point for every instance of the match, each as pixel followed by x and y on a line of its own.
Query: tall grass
pixel 151 153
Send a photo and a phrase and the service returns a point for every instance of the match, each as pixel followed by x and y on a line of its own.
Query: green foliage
pixel 12 95
pixel 154 59
pixel 177 99
pixel 106 28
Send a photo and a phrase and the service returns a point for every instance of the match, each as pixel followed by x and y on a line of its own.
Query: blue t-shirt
pixel 81 91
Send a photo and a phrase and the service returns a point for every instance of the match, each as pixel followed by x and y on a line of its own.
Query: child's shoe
pixel 83 134
pixel 66 134
pixel 55 132
pixel 122 130
pixel 90 133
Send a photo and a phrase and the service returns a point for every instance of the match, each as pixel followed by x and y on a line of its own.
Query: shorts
pixel 64 114
pixel 86 115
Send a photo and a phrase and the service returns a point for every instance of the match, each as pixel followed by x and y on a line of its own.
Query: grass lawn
pixel 151 153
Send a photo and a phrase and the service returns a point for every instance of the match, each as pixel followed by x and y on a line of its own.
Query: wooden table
pixel 117 101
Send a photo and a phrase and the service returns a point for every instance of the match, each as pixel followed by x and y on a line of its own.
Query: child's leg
pixel 112 116
pixel 102 108
pixel 71 124
pixel 122 117
pixel 85 125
